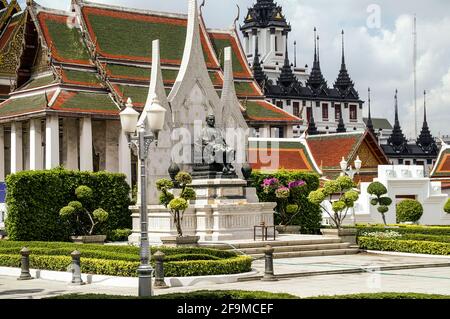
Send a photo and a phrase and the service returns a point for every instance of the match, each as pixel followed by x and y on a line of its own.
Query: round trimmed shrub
pixel 447 207
pixel 377 189
pixel 409 210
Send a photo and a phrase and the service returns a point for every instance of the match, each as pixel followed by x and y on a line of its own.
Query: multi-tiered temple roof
pixel 93 59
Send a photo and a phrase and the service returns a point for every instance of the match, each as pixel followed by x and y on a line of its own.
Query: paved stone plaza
pixel 435 279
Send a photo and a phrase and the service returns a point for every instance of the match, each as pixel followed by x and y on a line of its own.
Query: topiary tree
pixel 177 205
pixel 288 198
pixel 447 207
pixel 409 210
pixel 77 210
pixel 377 190
pixel 340 197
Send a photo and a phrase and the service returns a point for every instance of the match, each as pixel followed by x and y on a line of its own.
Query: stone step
pixel 312 253
pixel 262 244
pixel 282 249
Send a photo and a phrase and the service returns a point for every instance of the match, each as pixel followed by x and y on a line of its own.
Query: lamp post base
pixel 145 274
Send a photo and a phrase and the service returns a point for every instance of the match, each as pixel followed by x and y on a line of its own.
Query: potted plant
pixel 336 198
pixel 177 206
pixel 377 190
pixel 83 222
pixel 287 198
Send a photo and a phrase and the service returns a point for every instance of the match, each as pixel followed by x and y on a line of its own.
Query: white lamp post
pixel 348 170
pixel 142 141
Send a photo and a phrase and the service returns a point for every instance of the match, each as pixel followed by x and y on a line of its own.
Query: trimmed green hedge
pixel 123 268
pixel 422 237
pixel 119 235
pixel 34 199
pixel 124 260
pixel 310 218
pixel 127 250
pixel 406 229
pixel 407 246
pixel 241 294
pixel 201 294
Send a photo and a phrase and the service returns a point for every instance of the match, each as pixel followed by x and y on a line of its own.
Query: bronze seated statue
pixel 212 154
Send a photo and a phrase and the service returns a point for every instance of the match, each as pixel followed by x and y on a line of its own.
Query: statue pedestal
pixel 225 209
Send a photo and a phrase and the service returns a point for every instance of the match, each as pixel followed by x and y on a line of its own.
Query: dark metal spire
pixel 343 81
pixel 312 129
pixel 316 79
pixel 341 126
pixel 369 124
pixel 286 77
pixel 397 140
pixel 295 54
pixel 425 140
pixel 258 72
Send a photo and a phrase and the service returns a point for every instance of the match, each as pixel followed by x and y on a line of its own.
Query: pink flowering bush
pixel 283 196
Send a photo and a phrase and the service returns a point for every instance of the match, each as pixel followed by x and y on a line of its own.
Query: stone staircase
pixel 321 246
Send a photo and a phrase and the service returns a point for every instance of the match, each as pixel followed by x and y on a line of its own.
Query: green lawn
pixel 238 294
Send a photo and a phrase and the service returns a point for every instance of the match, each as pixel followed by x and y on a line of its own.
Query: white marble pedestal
pixel 225 209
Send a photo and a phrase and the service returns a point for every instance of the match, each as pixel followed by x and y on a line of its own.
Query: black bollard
pixel 76 268
pixel 25 264
pixel 268 273
pixel 159 271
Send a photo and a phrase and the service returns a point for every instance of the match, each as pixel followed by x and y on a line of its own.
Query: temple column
pixel 16 147
pixel 36 158
pixel 124 156
pixel 113 130
pixel 52 142
pixel 253 41
pixel 2 154
pixel 246 44
pixel 272 40
pixel 70 141
pixel 86 162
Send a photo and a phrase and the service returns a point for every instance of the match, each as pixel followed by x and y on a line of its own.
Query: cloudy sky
pixel 379 46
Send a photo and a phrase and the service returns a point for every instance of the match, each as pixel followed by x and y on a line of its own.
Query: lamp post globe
pixel 129 118
pixel 358 164
pixel 155 116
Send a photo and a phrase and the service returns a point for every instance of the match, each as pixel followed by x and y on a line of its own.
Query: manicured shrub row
pixel 107 255
pixel 34 199
pixel 422 237
pixel 310 217
pixel 238 294
pixel 406 229
pixel 119 235
pixel 128 268
pixel 127 250
pixel 407 246
pixel 202 294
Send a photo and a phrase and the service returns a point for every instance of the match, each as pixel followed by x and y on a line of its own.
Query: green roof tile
pixel 83 101
pixel 67 41
pixel 23 105
pixel 256 110
pixel 81 77
pixel 138 94
pixel 132 38
pixel 244 88
pixel 219 46
pixel 39 82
